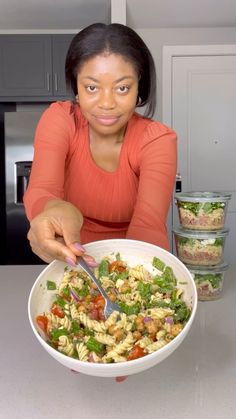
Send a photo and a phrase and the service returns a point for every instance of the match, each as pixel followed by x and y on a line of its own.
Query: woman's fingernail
pixel 92 263
pixel 70 261
pixel 78 246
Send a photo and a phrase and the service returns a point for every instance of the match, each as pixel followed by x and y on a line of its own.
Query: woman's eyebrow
pixel 116 81
pixel 124 78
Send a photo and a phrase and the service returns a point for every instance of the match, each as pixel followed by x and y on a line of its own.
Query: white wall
pixel 157 38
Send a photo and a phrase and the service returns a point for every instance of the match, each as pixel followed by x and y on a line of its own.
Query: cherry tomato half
pixel 117 265
pixel 136 352
pixel 42 322
pixel 57 311
pixel 99 301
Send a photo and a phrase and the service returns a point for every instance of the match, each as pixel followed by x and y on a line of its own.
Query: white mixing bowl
pixel 134 252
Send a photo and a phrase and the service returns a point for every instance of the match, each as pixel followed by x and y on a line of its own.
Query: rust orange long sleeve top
pixel 131 202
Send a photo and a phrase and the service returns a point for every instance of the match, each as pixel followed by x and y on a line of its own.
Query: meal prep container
pixel 202 210
pixel 200 248
pixel 209 281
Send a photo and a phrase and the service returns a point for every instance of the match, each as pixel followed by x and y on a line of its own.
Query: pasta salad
pixel 154 312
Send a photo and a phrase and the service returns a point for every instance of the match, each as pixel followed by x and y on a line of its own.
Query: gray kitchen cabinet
pixel 32 66
pixel 60 44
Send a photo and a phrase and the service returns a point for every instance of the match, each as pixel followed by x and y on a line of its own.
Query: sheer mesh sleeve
pixel 157 162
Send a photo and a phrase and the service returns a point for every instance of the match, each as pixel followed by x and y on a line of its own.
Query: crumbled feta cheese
pixel 208 241
pixel 119 283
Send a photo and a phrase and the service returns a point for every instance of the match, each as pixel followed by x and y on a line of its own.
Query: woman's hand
pixel 55 233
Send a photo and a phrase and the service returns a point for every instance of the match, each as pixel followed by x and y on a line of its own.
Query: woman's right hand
pixel 55 233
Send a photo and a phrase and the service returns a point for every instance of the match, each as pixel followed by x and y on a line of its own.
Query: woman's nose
pixel 107 100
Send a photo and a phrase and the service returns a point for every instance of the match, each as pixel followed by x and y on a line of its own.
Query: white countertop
pixel 198 381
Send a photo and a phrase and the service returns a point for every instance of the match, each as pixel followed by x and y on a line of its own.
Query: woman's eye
pixel 91 88
pixel 123 89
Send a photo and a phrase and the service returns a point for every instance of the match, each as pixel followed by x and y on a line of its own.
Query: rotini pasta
pixel 66 323
pixel 105 339
pixel 121 347
pixel 65 346
pixel 139 273
pixel 92 324
pixel 155 345
pixel 53 321
pixel 111 320
pixel 106 282
pixel 154 312
pixel 82 351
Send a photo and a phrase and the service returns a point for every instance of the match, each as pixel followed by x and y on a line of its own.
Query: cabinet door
pixel 60 45
pixel 203 115
pixel 26 65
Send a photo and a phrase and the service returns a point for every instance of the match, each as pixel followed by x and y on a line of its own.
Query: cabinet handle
pixel 56 82
pixel 48 82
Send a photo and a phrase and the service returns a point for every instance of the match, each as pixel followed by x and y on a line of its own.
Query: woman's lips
pixel 106 119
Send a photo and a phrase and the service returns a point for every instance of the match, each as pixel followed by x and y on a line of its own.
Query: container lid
pixel 194 234
pixel 208 269
pixel 199 196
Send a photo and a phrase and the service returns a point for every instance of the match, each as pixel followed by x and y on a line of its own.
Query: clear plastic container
pixel 202 210
pixel 200 248
pixel 209 281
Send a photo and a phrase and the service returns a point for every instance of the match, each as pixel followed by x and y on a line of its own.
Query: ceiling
pixel 76 14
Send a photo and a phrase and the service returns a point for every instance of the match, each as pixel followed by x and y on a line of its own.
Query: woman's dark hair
pixel 118 39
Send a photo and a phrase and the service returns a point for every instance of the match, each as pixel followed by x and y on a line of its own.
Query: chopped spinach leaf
pixel 103 268
pixel 51 285
pixel 94 346
pixel 134 309
pixel 56 333
pixel 158 264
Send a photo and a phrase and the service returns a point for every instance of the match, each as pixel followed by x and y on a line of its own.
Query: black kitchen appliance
pixel 18 128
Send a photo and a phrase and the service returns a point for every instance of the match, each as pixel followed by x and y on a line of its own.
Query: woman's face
pixel 107 92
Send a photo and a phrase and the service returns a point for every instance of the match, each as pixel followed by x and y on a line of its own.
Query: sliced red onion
pixel 94 292
pixel 91 357
pixel 147 319
pixel 169 320
pixel 75 295
pixel 114 290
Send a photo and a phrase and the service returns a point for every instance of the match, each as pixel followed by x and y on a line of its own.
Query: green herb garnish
pixel 94 346
pixel 134 309
pixel 75 327
pixel 144 289
pixel 194 207
pixel 60 301
pixel 209 207
pixel 214 279
pixel 158 264
pixel 51 285
pixel 103 268
pixel 56 333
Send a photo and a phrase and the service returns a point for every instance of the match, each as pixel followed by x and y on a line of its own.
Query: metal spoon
pixel 109 305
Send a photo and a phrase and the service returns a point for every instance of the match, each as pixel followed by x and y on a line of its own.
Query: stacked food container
pixel 200 239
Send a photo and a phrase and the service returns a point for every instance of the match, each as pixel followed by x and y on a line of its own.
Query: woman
pixel 100 170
